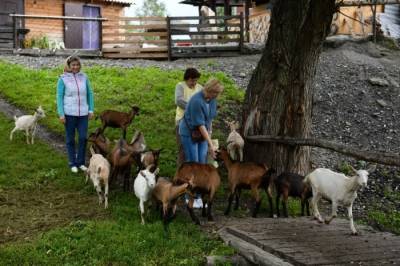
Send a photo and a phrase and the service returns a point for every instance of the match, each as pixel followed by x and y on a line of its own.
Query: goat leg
pixel 236 207
pixel 277 203
pixel 12 133
pixel 271 206
pixel 209 214
pixel 334 213
pixel 230 199
pixel 350 214
pixel 189 207
pixel 203 210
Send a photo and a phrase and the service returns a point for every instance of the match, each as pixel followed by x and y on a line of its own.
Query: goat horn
pixel 352 169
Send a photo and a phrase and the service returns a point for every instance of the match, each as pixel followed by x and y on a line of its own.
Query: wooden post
pixel 169 43
pixel 241 33
pixel 247 14
pixel 15 32
pixel 374 21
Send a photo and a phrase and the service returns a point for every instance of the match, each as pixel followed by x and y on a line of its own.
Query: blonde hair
pixel 213 85
pixel 69 60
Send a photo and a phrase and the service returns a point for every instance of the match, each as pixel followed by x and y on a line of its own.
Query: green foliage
pixel 388 220
pixel 152 8
pixel 41 42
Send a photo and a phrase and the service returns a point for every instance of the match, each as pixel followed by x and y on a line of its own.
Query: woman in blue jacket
pixel 75 106
pixel 199 114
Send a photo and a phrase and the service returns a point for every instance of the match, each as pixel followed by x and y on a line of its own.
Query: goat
pixel 338 188
pixel 101 144
pixel 290 184
pixel 167 194
pixel 99 172
pixel 28 123
pixel 122 160
pixel 116 119
pixel 235 142
pixel 211 160
pixel 147 158
pixel 247 175
pixel 205 181
pixel 143 186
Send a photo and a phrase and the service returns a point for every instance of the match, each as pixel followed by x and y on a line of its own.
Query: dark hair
pixel 191 73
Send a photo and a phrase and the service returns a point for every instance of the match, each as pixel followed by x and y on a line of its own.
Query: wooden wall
pixel 54 29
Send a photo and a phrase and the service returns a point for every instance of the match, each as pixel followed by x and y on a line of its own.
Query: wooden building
pixel 74 34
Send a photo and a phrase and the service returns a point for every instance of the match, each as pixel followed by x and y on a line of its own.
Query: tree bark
pixel 386 158
pixel 278 99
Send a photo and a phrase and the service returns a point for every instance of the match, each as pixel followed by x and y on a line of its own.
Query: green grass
pixel 37 175
pixel 115 88
pixel 388 220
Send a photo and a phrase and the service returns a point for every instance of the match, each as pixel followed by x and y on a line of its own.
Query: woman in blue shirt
pixel 199 114
pixel 75 106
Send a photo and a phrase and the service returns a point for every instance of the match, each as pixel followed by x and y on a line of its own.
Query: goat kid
pixel 291 184
pixel 338 188
pixel 235 142
pixel 101 144
pixel 99 172
pixel 205 181
pixel 247 175
pixel 28 123
pixel 116 119
pixel 167 194
pixel 143 187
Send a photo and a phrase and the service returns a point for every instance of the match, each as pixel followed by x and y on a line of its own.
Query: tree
pixel 152 8
pixel 278 99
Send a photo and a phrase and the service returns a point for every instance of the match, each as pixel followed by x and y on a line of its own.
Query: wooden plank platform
pixel 302 241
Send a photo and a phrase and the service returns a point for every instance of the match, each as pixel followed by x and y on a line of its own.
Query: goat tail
pixel 92 152
pixel 306 180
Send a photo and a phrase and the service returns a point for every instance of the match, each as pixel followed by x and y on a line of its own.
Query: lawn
pixel 52 217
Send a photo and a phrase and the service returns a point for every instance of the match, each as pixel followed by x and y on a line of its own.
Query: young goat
pixel 101 144
pixel 205 181
pixel 337 188
pixel 143 186
pixel 99 171
pixel 247 175
pixel 122 160
pixel 147 158
pixel 28 123
pixel 166 194
pixel 235 142
pixel 116 119
pixel 290 184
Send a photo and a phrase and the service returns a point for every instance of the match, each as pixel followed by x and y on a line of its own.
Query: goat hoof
pixel 354 233
pixel 327 222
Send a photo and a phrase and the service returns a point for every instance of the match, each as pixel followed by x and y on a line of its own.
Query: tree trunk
pixel 279 96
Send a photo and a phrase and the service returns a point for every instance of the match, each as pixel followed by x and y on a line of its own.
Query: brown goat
pixel 147 158
pixel 290 184
pixel 166 194
pixel 121 160
pixel 116 119
pixel 247 175
pixel 206 181
pixel 100 144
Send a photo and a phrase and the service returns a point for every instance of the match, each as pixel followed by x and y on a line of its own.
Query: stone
pixel 381 103
pixel 378 81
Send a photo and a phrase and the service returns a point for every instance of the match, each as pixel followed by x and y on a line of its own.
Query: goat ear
pixel 142 174
pixel 352 169
pixel 156 171
pixel 371 169
pixel 99 170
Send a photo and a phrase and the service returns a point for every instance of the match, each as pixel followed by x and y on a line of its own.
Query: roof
pixel 120 2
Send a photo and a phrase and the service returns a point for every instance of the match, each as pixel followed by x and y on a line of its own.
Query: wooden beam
pixel 135 27
pixel 208 17
pixel 376 157
pixel 206 33
pixel 134 41
pixel 56 17
pixel 127 34
pixel 367 2
pixel 138 55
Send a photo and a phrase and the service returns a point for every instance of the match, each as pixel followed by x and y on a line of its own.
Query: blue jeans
pixel 73 123
pixel 194 151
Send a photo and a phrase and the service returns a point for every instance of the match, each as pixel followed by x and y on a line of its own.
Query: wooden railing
pixel 135 37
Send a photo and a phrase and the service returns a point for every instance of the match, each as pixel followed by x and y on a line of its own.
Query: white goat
pixel 210 159
pixel 337 188
pixel 143 186
pixel 235 142
pixel 99 172
pixel 28 123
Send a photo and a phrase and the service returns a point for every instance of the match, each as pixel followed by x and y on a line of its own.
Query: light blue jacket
pixel 74 95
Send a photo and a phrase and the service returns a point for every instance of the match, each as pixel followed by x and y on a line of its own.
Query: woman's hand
pixel 62 120
pixel 212 151
pixel 91 116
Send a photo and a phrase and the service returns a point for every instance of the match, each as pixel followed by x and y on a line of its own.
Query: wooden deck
pixel 302 241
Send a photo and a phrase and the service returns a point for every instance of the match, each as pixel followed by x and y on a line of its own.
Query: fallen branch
pixel 376 157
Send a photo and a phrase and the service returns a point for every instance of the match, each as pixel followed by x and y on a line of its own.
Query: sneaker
pixel 198 203
pixel 83 168
pixel 74 169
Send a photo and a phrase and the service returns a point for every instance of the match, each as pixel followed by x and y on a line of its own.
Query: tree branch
pixel 376 157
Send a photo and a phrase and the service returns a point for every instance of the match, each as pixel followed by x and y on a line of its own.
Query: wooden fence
pixel 136 37
pixel 173 37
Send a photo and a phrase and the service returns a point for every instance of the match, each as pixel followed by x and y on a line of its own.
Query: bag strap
pixel 186 122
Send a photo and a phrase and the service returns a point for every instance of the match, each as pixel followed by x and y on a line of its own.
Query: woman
pixel 183 92
pixel 75 106
pixel 199 114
